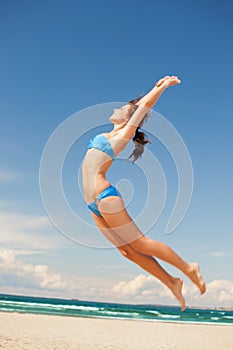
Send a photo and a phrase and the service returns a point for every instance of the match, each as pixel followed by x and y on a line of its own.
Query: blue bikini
pixel 101 142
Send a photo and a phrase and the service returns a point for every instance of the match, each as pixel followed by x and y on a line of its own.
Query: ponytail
pixel 140 139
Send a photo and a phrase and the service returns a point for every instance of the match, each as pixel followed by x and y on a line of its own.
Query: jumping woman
pixel 105 201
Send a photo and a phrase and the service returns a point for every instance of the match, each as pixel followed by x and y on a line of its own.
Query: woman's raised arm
pixel 153 95
pixel 146 103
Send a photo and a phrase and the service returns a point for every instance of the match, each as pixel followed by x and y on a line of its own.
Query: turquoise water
pixel 78 308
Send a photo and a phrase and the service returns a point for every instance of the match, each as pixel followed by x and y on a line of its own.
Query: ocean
pixel 81 308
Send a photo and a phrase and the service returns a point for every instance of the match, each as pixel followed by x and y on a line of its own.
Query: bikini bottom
pixel 110 191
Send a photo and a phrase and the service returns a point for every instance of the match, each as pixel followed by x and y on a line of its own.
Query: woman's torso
pixel 96 164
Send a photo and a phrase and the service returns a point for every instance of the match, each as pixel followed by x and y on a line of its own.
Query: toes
pixel 203 288
pixel 183 308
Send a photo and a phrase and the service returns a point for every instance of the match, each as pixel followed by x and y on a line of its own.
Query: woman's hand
pixel 152 96
pixel 168 81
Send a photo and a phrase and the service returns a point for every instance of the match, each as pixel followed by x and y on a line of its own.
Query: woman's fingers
pixel 169 80
pixel 173 80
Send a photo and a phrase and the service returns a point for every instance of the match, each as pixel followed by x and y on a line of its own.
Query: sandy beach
pixel 32 332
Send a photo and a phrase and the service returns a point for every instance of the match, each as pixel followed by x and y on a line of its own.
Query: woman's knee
pixel 142 245
pixel 127 252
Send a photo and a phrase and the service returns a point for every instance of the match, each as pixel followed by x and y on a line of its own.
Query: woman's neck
pixel 116 129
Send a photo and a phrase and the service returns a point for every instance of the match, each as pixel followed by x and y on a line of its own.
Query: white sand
pixel 32 332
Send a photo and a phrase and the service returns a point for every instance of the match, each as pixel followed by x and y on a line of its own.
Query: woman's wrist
pixel 158 84
pixel 162 85
pixel 161 81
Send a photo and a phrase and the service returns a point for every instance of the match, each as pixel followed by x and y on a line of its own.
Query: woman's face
pixel 122 114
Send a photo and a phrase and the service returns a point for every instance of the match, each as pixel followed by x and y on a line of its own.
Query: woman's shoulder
pixel 105 134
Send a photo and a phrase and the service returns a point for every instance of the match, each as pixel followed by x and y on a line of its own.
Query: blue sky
pixel 59 57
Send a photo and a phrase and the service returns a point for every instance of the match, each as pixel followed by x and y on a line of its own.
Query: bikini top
pixel 102 143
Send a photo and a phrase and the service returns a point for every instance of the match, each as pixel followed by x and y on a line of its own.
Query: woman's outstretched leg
pixel 149 264
pixel 162 251
pixel 117 217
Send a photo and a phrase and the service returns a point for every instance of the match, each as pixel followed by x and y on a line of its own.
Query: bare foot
pixel 176 288
pixel 196 277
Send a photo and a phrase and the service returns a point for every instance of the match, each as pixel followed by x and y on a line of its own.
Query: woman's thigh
pixel 112 236
pixel 116 216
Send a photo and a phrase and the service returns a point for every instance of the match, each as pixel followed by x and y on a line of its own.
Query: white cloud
pixel 147 289
pixel 218 293
pixel 18 252
pixel 27 232
pixel 15 272
pixel 142 286
pixel 7 176
pixel 18 277
pixel 217 254
pixel 221 290
pixel 134 287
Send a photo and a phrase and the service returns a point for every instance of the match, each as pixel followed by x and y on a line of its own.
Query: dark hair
pixel 140 139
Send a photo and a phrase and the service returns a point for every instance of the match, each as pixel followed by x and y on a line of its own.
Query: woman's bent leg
pixel 165 253
pixel 149 264
pixel 146 262
pixel 116 216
